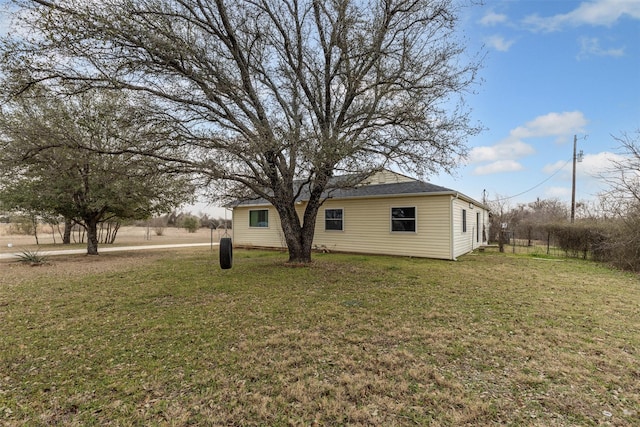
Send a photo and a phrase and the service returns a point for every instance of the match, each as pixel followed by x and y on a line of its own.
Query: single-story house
pixel 389 214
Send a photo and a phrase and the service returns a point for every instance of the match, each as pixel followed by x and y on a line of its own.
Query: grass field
pixel 170 339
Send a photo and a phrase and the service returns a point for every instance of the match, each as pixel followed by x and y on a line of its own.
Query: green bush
pixel 616 241
pixel 574 239
pixel 191 224
pixel 31 258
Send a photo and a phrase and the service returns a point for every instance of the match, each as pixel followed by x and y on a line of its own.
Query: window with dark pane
pixel 403 218
pixel 464 220
pixel 259 218
pixel 333 219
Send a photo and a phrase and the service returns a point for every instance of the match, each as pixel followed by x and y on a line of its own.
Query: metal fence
pixel 517 244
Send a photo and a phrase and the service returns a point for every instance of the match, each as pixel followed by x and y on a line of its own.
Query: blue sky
pixel 553 69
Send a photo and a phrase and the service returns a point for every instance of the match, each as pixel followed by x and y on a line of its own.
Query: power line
pixel 537 185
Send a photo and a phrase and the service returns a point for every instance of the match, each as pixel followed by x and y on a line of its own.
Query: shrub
pixel 159 225
pixel 574 239
pixel 624 244
pixel 191 224
pixel 31 258
pixel 616 241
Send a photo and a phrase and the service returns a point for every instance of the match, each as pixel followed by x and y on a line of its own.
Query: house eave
pixel 453 194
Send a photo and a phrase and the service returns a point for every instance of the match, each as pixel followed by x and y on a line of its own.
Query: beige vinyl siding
pixel 465 242
pixel 484 224
pixel 244 235
pixel 367 227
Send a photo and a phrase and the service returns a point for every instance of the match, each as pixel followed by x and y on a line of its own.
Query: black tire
pixel 226 253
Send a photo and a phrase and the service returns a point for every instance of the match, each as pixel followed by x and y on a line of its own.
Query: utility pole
pixel 576 158
pixel 573 186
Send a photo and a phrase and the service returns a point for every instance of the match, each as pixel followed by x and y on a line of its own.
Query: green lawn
pixel 351 340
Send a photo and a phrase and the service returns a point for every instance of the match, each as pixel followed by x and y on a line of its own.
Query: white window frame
pixel 415 219
pixel 333 219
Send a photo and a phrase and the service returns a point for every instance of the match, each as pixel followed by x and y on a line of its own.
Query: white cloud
pixel 5 20
pixel 598 164
pixel 506 149
pixel 598 12
pixel 498 167
pixel 492 18
pixel 590 46
pixel 10 16
pixel 552 124
pixel 499 43
pixel 503 156
pixel 589 174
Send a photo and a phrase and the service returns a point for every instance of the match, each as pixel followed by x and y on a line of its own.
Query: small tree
pixel 191 223
pixel 501 214
pixel 623 176
pixel 57 153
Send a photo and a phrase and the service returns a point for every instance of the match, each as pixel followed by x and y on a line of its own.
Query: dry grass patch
pixel 350 340
pixel 68 267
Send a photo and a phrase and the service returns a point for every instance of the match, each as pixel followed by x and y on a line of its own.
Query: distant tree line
pixel 187 221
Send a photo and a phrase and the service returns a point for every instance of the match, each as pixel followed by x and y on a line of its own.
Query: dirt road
pixel 57 252
pixel 130 237
pixel 69 262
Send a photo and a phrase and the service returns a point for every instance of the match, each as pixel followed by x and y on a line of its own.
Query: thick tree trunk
pixel 92 236
pixel 300 249
pixel 68 225
pixel 299 237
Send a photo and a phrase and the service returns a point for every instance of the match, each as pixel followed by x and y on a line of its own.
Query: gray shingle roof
pixel 372 190
pixel 412 187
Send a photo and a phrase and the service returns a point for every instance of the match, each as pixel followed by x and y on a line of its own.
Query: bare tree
pixel 531 220
pixel 624 175
pixel 273 98
pixel 622 203
pixel 502 215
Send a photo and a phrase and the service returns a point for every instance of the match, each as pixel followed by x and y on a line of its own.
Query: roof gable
pixel 386 176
